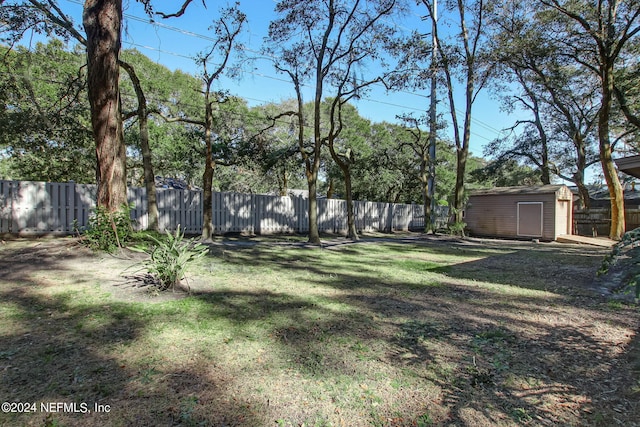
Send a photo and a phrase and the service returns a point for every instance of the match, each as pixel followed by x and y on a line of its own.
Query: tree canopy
pixel 567 68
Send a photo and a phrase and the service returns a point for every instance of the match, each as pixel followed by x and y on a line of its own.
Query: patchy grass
pixel 385 332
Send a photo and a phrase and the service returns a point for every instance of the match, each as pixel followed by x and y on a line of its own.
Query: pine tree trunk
pixel 102 21
pixel 207 201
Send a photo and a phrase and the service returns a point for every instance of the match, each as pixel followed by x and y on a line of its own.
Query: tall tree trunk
pixel 147 165
pixel 207 176
pixel 345 167
pixel 545 175
pixel 344 162
pixel 314 234
pixel 425 177
pixel 581 166
pixel 207 201
pixel 102 20
pixel 352 233
pixel 149 176
pixel 458 201
pixel 312 175
pixel 608 168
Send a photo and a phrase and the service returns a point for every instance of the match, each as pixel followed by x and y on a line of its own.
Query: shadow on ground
pixel 488 340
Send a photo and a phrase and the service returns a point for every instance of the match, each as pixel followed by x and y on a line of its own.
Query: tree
pixel 142 114
pixel 461 55
pixel 276 148
pixel 597 36
pixel 385 171
pixel 148 79
pixel 420 144
pixel 505 173
pixel 559 95
pixel 346 144
pixel 102 21
pixel 226 29
pixel 627 91
pixel 110 154
pixel 324 44
pixel 44 119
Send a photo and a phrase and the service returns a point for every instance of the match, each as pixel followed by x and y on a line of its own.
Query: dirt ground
pixel 611 355
pixel 66 260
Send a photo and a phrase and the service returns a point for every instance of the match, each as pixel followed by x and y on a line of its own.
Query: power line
pixel 257 74
pixel 147 21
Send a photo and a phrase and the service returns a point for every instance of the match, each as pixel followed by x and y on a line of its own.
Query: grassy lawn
pixel 381 333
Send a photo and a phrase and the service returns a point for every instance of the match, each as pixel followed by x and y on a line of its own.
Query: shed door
pixel 530 219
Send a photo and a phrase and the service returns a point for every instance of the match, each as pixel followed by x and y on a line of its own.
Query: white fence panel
pixel 177 207
pixel 275 214
pixel 6 206
pixel 38 207
pixel 233 212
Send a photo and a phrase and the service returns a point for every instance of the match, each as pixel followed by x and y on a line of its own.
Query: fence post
pixel 38 207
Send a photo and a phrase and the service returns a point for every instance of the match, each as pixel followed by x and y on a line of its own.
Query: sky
pixel 175 42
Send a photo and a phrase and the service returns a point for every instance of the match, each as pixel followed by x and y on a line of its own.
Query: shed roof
pixel 629 165
pixel 503 191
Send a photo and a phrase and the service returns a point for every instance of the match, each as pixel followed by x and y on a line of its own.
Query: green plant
pixel 169 257
pixel 456 228
pixel 108 231
pixel 521 415
pixel 424 420
pixel 630 240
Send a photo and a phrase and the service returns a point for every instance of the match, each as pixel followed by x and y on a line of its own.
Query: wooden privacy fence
pixel 597 222
pixel 28 207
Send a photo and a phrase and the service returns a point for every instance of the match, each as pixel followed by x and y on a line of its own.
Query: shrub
pixel 169 257
pixel 108 231
pixel 630 240
pixel 457 228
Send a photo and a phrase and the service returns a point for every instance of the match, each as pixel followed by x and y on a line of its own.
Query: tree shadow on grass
pixel 549 267
pixel 65 349
pixel 498 356
pixel 498 365
pixel 493 364
pixel 501 356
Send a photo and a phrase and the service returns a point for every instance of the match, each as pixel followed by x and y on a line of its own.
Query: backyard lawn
pixel 404 331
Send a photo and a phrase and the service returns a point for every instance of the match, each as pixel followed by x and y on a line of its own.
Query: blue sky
pixel 175 42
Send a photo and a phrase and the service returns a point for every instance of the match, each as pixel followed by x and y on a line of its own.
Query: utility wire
pixel 147 21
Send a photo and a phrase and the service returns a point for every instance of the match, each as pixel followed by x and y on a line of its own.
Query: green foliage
pixel 46 131
pixel 169 257
pixel 630 240
pixel 457 228
pixel 108 231
pixel 505 172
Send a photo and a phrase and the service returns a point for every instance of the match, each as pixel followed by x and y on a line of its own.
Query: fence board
pixel 41 208
pixel 596 222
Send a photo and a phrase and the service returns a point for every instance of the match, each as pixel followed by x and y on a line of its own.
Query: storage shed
pixel 543 212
